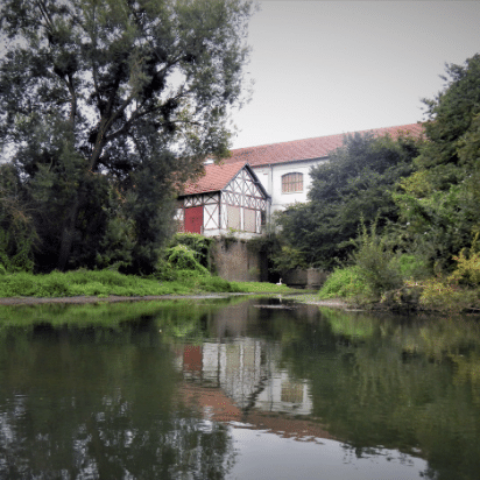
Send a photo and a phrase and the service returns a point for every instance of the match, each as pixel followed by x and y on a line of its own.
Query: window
pixel 292 182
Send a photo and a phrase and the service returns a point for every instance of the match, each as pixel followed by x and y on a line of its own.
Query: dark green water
pixel 242 390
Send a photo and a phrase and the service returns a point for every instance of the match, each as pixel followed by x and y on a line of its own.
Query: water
pixel 236 390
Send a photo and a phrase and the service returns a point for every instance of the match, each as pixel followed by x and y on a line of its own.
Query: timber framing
pixel 237 203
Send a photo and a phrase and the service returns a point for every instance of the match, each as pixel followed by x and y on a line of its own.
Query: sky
pixel 328 67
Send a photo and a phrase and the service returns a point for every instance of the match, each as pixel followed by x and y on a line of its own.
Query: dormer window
pixel 292 182
pixel 209 161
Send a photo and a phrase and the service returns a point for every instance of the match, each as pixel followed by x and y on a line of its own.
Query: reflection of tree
pixel 408 385
pixel 100 403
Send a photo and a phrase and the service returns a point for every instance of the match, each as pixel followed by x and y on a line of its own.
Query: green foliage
pixel 286 258
pixel 117 244
pixel 84 283
pixel 215 284
pixel 439 201
pixel 442 294
pixel 17 232
pixel 376 270
pixel 109 282
pixel 259 287
pixel 413 266
pixel 468 265
pixel 378 265
pixel 199 244
pixel 345 283
pixel 357 181
pixel 183 258
pixel 106 107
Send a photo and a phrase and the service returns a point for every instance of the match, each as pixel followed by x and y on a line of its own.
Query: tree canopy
pixel 355 183
pixel 105 106
pixel 439 201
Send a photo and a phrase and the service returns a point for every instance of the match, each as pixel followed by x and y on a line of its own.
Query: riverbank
pixel 310 299
pixel 106 283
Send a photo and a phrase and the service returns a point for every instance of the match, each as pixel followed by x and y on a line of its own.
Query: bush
pixel 200 245
pixel 377 264
pixel 287 258
pixel 468 265
pixel 345 283
pixel 182 257
pixel 444 296
pixel 413 266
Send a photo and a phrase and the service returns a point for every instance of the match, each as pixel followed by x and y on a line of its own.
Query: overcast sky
pixel 327 67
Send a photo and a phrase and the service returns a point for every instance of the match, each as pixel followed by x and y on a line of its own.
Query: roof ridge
pixel 326 136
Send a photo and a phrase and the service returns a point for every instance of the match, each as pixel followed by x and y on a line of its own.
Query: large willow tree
pixel 104 106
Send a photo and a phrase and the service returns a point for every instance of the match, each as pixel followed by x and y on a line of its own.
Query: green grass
pixel 259 287
pixel 103 283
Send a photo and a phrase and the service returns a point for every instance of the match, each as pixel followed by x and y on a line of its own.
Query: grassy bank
pixel 103 283
pixel 441 294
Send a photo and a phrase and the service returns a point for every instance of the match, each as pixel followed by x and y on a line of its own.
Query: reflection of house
pixel 281 394
pixel 215 405
pixel 248 374
pixel 228 197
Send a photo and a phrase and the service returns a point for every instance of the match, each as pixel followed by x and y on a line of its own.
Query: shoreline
pixel 82 300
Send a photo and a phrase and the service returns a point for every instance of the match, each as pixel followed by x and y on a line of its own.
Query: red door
pixel 194 219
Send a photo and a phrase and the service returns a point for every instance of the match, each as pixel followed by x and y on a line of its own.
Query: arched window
pixel 292 182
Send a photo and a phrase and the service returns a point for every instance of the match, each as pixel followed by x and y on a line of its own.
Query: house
pixel 284 168
pixel 229 197
pixel 242 192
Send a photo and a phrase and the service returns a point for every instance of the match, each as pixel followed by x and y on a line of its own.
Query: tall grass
pixel 85 283
pixel 102 283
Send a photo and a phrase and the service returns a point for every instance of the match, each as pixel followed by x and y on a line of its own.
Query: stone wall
pixel 310 278
pixel 235 260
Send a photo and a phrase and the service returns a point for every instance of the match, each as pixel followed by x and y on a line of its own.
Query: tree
pixel 439 201
pixel 17 233
pixel 102 97
pixel 357 182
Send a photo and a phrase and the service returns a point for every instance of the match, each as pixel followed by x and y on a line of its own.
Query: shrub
pixel 200 245
pixel 444 296
pixel 378 265
pixel 182 257
pixel 287 258
pixel 345 283
pixel 468 265
pixel 413 266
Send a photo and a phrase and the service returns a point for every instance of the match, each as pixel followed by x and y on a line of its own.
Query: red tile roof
pixel 216 178
pixel 309 148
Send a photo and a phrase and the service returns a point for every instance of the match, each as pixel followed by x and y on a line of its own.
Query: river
pixel 236 389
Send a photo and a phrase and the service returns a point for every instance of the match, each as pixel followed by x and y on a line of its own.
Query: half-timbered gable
pixel 227 198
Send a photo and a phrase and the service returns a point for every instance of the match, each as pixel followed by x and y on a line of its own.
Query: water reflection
pixel 240 390
pixel 247 372
pixel 99 404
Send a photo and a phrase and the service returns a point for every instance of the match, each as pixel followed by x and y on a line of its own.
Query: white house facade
pixel 287 183
pixel 284 168
pixel 242 192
